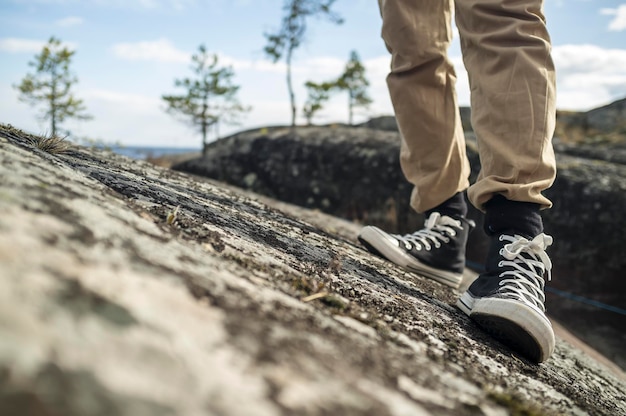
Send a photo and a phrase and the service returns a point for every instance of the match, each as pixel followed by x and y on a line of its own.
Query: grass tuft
pixel 51 144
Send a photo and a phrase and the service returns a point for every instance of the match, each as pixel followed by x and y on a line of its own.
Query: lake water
pixel 140 152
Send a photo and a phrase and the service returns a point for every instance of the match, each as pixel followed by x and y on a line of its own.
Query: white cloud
pixel 376 70
pixel 148 4
pixel 589 75
pixel 619 21
pixel 589 59
pixel 259 65
pixel 161 50
pixel 70 21
pixel 116 98
pixel 316 68
pixel 562 3
pixel 322 66
pixel 132 4
pixel 17 45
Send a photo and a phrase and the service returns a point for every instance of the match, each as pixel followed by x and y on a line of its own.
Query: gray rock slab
pixel 354 173
pixel 126 289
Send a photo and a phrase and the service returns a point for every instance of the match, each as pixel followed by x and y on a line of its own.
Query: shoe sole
pixel 517 325
pixel 380 243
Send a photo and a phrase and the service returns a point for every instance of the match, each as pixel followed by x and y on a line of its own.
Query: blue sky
pixel 128 53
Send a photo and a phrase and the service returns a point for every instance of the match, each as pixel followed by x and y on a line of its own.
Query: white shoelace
pixel 526 281
pixel 433 232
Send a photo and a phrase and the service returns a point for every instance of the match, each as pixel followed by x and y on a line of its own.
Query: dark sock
pixel 453 207
pixel 512 217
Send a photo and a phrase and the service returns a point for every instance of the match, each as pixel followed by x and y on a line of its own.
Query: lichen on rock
pixel 106 307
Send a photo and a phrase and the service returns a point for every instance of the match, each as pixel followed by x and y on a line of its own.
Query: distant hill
pixel 605 124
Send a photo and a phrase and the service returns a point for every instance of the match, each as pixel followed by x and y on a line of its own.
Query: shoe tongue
pixel 512 233
pixel 493 256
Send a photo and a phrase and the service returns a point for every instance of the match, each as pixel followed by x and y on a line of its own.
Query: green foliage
pixel 291 34
pixel 353 81
pixel 210 96
pixel 50 86
pixel 318 94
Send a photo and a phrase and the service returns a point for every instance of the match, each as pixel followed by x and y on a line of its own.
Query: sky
pixel 129 52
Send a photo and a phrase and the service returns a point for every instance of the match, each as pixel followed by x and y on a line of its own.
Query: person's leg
pixel 506 50
pixel 422 89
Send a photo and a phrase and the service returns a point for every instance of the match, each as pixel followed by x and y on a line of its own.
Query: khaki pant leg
pixel 506 49
pixel 422 90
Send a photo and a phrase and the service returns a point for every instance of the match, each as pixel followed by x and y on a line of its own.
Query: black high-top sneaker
pixel 507 301
pixel 437 251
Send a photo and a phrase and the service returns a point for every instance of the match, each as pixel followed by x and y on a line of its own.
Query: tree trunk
pixel 204 131
pixel 350 108
pixel 53 123
pixel 53 103
pixel 205 106
pixel 292 97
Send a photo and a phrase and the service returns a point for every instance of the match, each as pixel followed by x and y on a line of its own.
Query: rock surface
pixel 128 289
pixel 354 173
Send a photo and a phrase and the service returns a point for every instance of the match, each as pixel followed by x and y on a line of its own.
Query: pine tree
pixel 318 94
pixel 210 96
pixel 354 81
pixel 284 42
pixel 51 86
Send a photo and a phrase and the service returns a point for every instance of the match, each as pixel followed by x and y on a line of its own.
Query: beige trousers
pixel 506 51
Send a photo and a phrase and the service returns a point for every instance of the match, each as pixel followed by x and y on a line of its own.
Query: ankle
pixel 512 217
pixel 455 206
